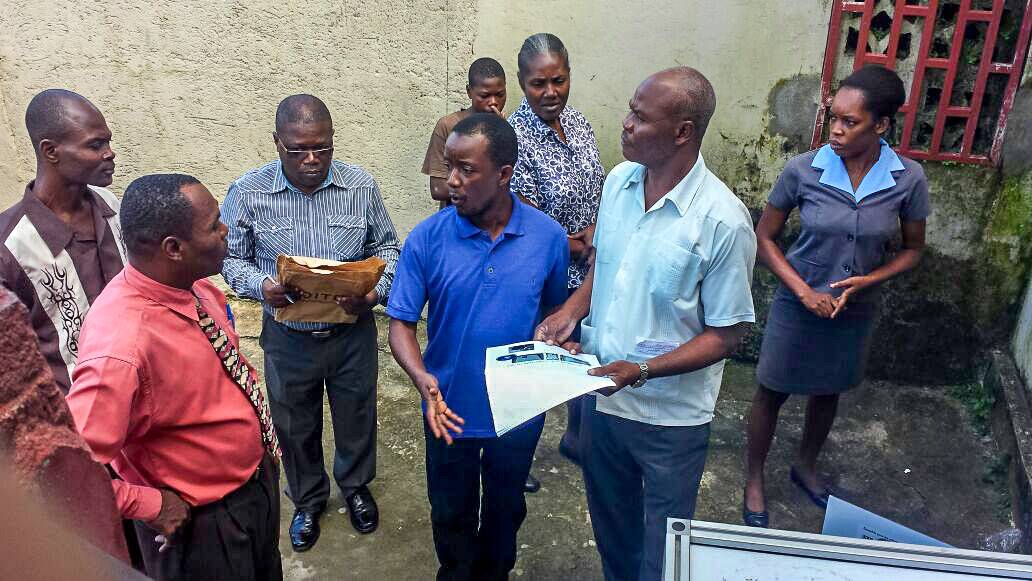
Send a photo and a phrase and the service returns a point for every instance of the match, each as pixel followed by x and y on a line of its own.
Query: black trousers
pixel 236 538
pixel 636 475
pixel 298 368
pixel 475 536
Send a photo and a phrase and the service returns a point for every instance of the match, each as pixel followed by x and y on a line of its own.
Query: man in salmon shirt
pixel 162 395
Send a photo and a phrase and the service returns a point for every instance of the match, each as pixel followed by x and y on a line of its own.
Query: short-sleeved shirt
pixel 844 232
pixel 433 163
pixel 482 293
pixel 564 180
pixel 57 272
pixel 661 277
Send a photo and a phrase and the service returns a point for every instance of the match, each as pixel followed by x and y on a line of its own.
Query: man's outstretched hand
pixel 439 417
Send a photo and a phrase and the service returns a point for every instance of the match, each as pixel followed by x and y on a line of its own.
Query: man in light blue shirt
pixel 669 297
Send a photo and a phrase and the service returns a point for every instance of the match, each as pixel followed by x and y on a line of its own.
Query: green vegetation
pixel 979 404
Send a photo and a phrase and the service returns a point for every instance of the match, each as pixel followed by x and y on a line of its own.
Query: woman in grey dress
pixel 854 196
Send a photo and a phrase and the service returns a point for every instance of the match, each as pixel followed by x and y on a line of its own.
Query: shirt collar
pixel 175 299
pixel 281 183
pixel 52 229
pixel 878 178
pixel 514 227
pixel 539 128
pixel 681 196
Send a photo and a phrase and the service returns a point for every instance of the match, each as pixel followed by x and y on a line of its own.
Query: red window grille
pixel 962 59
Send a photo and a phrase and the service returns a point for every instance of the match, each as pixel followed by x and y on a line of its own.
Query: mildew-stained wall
pixel 192 86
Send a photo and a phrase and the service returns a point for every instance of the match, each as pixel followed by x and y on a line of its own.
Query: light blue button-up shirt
pixel 662 276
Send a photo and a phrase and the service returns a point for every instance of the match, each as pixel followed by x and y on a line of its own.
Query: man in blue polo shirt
pixel 490 267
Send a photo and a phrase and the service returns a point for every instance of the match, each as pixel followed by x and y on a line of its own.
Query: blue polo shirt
pixel 482 293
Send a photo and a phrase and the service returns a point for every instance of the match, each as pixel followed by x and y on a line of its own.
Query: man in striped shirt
pixel 309 204
pixel 61 242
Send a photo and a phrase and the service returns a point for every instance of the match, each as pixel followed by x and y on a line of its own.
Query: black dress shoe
pixel 365 516
pixel 304 530
pixel 819 498
pixel 759 519
pixel 569 451
pixel 532 484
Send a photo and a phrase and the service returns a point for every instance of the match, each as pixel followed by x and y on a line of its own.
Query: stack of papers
pixel 526 379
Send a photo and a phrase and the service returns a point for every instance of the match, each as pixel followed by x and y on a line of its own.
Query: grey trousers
pixel 298 367
pixel 636 475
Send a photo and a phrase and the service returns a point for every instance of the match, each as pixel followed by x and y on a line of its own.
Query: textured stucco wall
pixel 744 47
pixel 192 86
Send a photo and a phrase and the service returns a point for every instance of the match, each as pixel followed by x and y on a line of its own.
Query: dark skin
pixel 480 192
pixel 546 85
pixel 64 166
pixel 307 171
pixel 486 96
pixel 658 137
pixel 179 262
pixel 854 136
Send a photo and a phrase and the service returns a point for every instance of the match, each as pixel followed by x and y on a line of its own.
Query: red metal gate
pixel 959 112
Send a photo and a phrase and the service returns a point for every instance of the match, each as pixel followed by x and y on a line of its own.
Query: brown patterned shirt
pixel 58 273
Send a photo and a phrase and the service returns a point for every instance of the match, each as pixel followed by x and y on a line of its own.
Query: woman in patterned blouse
pixel 558 168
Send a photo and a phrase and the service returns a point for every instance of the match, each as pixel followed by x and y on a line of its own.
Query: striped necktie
pixel 242 374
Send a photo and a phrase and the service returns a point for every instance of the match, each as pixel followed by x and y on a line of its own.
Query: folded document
pixel 526 379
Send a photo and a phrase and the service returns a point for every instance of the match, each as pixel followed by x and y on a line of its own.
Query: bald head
pixel 301 110
pixel 692 96
pixel 53 113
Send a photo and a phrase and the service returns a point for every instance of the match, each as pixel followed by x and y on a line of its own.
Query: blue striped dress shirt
pixel 345 219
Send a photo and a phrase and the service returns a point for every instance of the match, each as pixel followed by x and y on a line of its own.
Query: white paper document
pixel 526 379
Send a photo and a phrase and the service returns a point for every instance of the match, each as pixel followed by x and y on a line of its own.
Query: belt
pixel 317 334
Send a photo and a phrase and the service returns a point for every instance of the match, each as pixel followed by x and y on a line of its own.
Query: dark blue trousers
pixel 475 536
pixel 636 475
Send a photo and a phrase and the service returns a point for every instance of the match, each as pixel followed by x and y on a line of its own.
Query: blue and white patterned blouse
pixel 563 179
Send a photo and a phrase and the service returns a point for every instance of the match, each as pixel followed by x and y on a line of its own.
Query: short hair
pixel 46 117
pixel 153 208
pixel 541 43
pixel 696 99
pixel 483 69
pixel 502 145
pixel 301 109
pixel 883 90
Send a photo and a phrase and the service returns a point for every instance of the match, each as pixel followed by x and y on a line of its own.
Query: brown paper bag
pixel 319 282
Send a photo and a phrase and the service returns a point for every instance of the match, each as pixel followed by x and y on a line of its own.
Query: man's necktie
pixel 242 374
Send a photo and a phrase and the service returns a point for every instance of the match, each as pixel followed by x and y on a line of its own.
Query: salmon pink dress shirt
pixel 151 397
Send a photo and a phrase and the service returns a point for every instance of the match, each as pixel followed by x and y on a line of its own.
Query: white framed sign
pixel 705 551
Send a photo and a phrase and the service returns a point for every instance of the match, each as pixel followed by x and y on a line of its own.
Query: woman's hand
pixel 821 304
pixel 853 284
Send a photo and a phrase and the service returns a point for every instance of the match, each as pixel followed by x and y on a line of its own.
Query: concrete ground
pixel 905 452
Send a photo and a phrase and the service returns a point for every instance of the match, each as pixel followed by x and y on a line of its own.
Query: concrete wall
pixel 1021 346
pixel 193 87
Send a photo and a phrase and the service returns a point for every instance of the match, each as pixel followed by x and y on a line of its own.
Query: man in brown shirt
pixel 62 242
pixel 486 90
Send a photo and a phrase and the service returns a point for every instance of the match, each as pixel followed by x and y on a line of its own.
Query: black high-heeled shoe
pixel 754 519
pixel 818 498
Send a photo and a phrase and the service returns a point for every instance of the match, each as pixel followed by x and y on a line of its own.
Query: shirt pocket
pixel 671 270
pixel 274 236
pixel 347 235
pixel 814 248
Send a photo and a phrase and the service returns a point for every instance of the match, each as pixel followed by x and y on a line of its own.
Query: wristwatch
pixel 643 375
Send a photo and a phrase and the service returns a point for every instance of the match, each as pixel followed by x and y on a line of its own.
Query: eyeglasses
pixel 300 154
